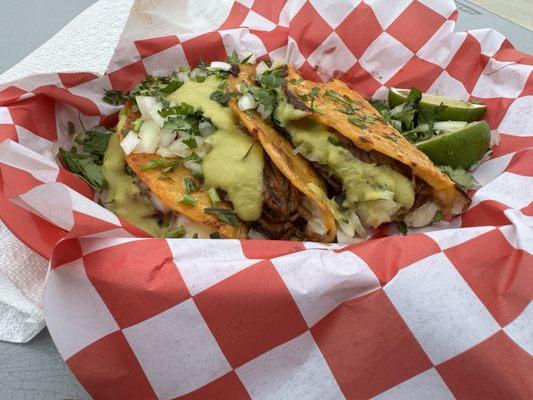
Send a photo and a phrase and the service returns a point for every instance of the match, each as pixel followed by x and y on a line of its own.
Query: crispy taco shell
pixel 293 166
pixel 171 189
pixel 378 136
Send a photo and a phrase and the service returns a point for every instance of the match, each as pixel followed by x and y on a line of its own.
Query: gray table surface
pixel 35 370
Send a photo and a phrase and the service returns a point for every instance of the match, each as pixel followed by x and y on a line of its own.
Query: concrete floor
pixel 517 11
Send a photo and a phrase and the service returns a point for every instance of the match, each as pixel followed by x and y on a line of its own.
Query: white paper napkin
pixel 85 44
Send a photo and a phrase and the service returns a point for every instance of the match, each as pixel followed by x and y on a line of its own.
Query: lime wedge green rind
pixel 461 148
pixel 457 110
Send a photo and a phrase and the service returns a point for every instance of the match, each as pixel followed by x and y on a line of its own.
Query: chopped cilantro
pixel 85 166
pixel 224 214
pixel 181 109
pixel 233 58
pixel 215 235
pixel 222 97
pixel 188 200
pixel 115 97
pixel 401 227
pixel 95 142
pixel 167 165
pixel 213 196
pixel 357 121
pixel 175 233
pixel 190 142
pixel 333 140
pixel 462 178
pixel 136 126
pixel 189 185
pixel 272 79
pixel 438 216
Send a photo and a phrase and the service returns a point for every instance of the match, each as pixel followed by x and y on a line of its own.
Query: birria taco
pixel 185 147
pixel 374 174
pixel 237 149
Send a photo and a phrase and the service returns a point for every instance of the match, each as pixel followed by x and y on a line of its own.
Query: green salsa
pixel 123 196
pixel 368 188
pixel 235 163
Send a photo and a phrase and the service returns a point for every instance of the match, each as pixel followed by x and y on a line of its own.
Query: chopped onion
pixel 397 110
pixel 195 73
pixel 264 113
pixel 183 77
pixel 277 64
pixel 210 139
pixel 192 227
pixel 352 225
pixel 247 102
pixel 224 66
pixel 193 166
pixel 251 54
pixel 163 152
pixel 129 143
pixel 494 138
pixel 261 68
pixel 150 134
pixel 315 223
pixel 206 128
pixel 422 216
pixel 145 104
pixel 176 148
pixel 374 213
pixel 343 238
pixel 167 137
pixel 298 149
pixel 254 235
pixel 158 204
pixel 397 124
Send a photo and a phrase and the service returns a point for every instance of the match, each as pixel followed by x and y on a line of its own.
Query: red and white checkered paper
pixel 443 313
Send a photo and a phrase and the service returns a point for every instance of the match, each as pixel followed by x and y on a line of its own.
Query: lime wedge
pixel 458 148
pixel 456 110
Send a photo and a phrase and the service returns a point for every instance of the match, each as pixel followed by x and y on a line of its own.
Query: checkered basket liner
pixel 444 312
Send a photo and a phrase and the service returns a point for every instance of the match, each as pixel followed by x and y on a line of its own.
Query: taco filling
pixel 229 184
pixel 366 187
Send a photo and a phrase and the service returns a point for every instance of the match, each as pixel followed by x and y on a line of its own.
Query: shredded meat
pixel 281 206
pixel 280 196
pixel 422 189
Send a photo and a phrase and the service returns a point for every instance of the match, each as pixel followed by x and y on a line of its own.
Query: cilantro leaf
pixel 85 167
pixel 462 178
pixel 95 142
pixel 189 185
pixel 115 97
pixel 357 121
pixel 272 79
pixel 175 233
pixel 402 227
pixel 233 58
pixel 224 214
pixel 333 140
pixel 222 97
pixel 181 109
pixel 190 142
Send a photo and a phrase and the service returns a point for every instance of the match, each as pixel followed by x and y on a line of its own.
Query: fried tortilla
pixel 170 188
pixel 377 136
pixel 293 166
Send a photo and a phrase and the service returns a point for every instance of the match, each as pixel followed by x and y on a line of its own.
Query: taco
pixel 185 150
pixel 374 174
